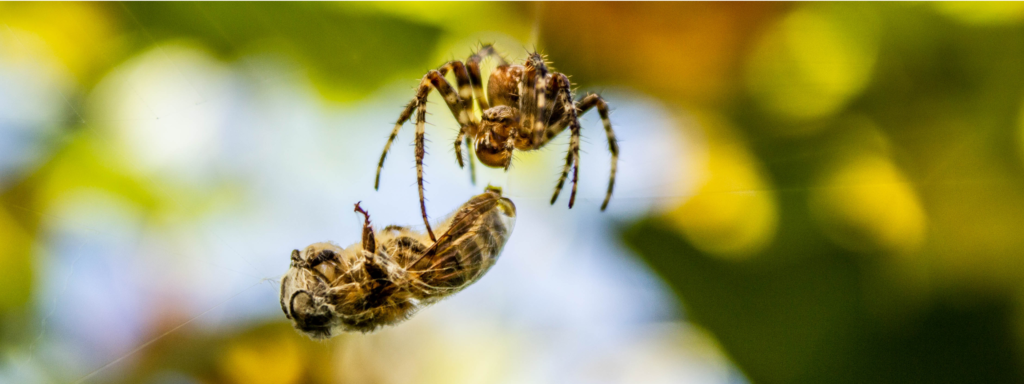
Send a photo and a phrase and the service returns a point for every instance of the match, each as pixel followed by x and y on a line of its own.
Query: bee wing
pixel 460 225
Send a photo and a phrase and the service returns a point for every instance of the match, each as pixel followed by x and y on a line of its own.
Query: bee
pixel 525 107
pixel 390 274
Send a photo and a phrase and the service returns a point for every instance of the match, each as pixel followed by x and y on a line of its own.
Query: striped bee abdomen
pixel 472 241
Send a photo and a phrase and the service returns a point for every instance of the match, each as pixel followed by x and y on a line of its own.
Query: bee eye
pixel 306 313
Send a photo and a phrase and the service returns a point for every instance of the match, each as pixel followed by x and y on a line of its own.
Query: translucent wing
pixel 469 246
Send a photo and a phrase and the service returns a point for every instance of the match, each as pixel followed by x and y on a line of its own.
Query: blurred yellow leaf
pixel 982 12
pixel 734 213
pixel 277 360
pixel 866 204
pixel 813 62
pixel 79 34
pixel 15 263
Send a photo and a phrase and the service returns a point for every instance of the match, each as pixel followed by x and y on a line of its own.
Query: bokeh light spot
pixel 734 213
pixel 982 12
pixel 274 361
pixel 866 204
pixel 812 63
pixel 78 34
pixel 15 264
pixel 168 109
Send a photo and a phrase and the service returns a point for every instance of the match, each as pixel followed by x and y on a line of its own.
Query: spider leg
pixel 421 119
pixel 572 157
pixel 527 98
pixel 458 69
pixel 583 106
pixel 406 114
pixel 533 91
pixel 574 146
pixel 436 80
pixel 539 70
pixel 532 103
pixel 510 145
pixel 473 65
pixel 545 110
pixel 472 167
pixel 467 119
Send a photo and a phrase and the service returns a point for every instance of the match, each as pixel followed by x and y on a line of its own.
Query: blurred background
pixel 807 192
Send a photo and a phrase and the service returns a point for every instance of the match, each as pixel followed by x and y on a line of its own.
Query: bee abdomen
pixel 471 251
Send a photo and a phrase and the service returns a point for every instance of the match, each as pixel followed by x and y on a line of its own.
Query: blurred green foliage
pixel 943 102
pixel 345 49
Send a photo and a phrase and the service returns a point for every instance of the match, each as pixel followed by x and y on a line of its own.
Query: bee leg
pixel 369 242
pixel 320 258
pixel 311 263
pixel 396 228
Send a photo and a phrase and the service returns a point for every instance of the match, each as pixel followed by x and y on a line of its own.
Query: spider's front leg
pixel 533 95
pixel 465 114
pixel 473 65
pixel 421 118
pixel 472 166
pixel 406 114
pixel 433 79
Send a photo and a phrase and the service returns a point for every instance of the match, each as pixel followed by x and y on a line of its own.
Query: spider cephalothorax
pixel 526 105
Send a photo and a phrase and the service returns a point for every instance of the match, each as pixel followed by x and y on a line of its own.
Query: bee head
pixel 303 301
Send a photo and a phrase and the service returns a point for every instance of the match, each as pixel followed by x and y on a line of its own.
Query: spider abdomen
pixel 503 85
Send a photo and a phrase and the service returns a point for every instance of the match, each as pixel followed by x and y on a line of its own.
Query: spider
pixel 526 105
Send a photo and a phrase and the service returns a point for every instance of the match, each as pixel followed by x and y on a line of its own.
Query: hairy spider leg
pixel 544 109
pixel 432 80
pixel 534 94
pixel 527 106
pixel 532 103
pixel 472 166
pixel 458 69
pixel 541 115
pixel 584 105
pixel 466 117
pixel 406 114
pixel 561 83
pixel 421 119
pixel 473 69
pixel 473 65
